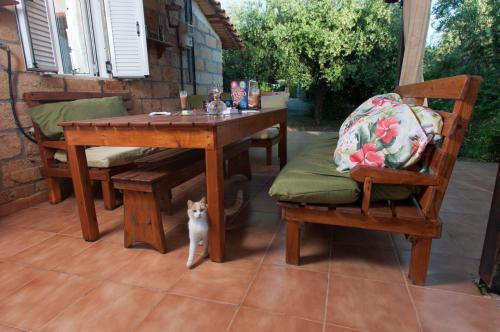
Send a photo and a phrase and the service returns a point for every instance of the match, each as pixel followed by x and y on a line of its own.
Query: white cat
pixel 198 224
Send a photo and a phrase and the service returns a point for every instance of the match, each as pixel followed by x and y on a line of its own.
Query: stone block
pixel 211 67
pixel 16 57
pixel 115 86
pixel 206 53
pixel 6 118
pixel 217 56
pixel 210 41
pixel 4 88
pixel 11 145
pixel 171 74
pixel 18 172
pixel 160 90
pixel 173 90
pixel 200 65
pixel 8 25
pixel 170 104
pixel 141 89
pixel 83 84
pixel 155 73
pixel 151 105
pixel 22 203
pixel 12 194
pixel 29 82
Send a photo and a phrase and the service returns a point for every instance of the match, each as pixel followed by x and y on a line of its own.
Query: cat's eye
pixel 201 210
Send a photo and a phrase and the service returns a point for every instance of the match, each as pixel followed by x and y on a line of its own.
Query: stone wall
pixel 20 181
pixel 207 53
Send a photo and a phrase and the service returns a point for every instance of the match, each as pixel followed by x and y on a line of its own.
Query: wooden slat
pixel 392 176
pixel 438 161
pixel 445 88
pixel 449 123
pixel 367 195
pixel 358 220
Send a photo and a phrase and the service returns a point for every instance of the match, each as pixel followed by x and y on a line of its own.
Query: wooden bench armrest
pixel 393 176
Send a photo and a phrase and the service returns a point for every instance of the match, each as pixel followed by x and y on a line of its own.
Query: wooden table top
pixel 198 119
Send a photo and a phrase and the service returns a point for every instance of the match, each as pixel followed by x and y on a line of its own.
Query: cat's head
pixel 197 210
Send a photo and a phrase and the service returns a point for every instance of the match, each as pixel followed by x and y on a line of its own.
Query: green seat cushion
pixel 47 116
pixel 196 101
pixel 311 177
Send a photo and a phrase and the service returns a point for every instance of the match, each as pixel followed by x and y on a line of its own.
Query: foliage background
pixel 341 52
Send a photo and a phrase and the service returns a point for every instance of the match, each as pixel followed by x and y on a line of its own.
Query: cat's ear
pixel 190 203
pixel 203 200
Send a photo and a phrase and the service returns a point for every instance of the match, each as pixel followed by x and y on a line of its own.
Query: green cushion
pixel 311 177
pixel 196 101
pixel 47 116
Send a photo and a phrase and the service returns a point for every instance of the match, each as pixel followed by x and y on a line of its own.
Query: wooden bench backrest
pixel 463 90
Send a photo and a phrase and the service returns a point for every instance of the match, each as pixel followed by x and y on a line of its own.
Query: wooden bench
pixel 417 218
pixel 57 174
pixel 148 189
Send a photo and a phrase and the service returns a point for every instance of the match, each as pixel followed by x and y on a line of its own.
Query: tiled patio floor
pixel 52 280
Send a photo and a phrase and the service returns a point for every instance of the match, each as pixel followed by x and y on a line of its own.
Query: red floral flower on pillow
pixel 378 101
pixel 368 155
pixel 387 129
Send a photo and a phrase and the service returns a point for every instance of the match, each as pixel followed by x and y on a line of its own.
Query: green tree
pixel 469 44
pixel 343 49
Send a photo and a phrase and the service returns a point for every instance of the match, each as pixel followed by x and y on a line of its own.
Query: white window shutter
pixel 36 35
pixel 127 38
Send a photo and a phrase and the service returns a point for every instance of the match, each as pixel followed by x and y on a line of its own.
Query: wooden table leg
pixel 83 192
pixel 215 196
pixel 282 145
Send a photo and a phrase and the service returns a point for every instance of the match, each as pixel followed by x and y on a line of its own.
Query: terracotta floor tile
pixel 257 221
pixel 53 220
pixel 100 260
pixel 337 328
pixel 9 329
pixel 178 313
pixel 449 272
pixel 314 248
pixel 250 320
pixel 361 237
pixel 448 311
pixel 248 245
pixel 14 240
pixel 227 282
pixel 373 263
pixel 370 305
pixel 14 276
pixel 42 299
pixel 110 307
pixel 445 245
pixel 290 291
pixel 262 202
pixel 151 269
pixel 51 252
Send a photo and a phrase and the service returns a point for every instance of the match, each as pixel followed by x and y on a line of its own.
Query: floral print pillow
pixel 385 132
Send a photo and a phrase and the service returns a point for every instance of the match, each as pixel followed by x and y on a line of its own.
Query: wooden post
pixel 215 196
pixel 292 242
pixel 419 260
pixel 489 269
pixel 282 145
pixel 83 192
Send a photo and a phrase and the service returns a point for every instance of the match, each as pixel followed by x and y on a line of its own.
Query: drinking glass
pixel 183 95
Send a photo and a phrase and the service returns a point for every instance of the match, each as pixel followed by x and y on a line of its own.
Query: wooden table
pixel 201 131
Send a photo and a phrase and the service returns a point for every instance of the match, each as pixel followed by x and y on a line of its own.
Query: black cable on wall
pixel 6 48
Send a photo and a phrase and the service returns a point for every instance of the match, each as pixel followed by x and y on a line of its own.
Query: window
pixel 84 37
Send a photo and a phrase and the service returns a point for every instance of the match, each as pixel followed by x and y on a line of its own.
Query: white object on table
pixel 159 113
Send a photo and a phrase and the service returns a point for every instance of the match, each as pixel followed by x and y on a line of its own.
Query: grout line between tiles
pixel 412 301
pixel 330 257
pixel 259 266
